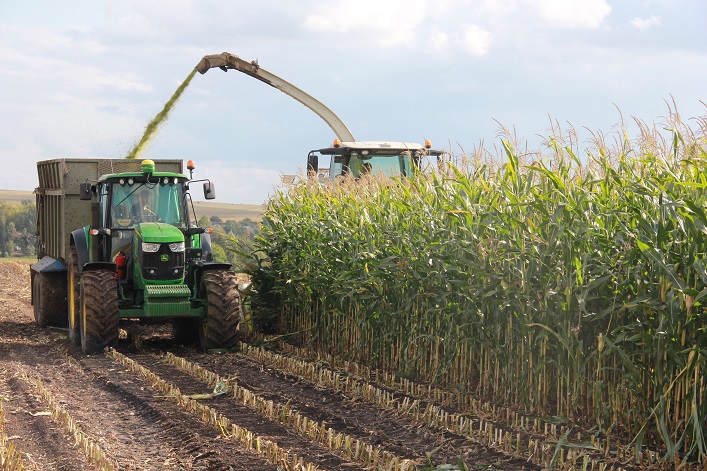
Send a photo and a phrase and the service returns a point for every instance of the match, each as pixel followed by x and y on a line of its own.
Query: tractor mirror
pixel 85 191
pixel 209 191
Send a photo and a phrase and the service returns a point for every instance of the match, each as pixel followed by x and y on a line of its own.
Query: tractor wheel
pixel 185 330
pixel 99 310
pixel 223 315
pixel 73 298
pixel 48 292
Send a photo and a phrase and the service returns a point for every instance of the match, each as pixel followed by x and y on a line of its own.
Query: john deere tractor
pixel 141 257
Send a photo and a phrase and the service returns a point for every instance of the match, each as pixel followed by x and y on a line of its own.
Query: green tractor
pixel 144 257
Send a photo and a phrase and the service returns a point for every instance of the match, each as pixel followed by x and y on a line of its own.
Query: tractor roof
pixel 378 146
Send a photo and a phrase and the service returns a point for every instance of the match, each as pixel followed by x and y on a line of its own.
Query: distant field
pixel 12 196
pixel 225 211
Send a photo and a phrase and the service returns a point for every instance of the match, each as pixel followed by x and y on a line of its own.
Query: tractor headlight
pixel 150 247
pixel 177 247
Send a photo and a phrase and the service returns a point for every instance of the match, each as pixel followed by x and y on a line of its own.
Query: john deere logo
pixel 164 257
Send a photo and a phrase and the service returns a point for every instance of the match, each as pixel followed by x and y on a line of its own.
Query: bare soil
pixel 139 429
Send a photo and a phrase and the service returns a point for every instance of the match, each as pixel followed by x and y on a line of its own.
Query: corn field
pixel 570 285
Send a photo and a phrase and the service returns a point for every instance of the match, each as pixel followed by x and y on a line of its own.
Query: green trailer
pixel 118 241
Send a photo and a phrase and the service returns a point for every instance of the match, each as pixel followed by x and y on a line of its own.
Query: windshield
pixel 146 202
pixel 390 165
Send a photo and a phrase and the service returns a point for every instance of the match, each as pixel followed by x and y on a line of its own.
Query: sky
pixel 82 78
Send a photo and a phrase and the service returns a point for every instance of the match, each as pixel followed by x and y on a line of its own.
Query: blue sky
pixel 82 78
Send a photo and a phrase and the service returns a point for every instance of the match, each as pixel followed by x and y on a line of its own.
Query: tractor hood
pixel 158 232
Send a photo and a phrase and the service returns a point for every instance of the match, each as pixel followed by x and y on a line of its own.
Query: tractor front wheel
pixel 223 316
pixel 99 310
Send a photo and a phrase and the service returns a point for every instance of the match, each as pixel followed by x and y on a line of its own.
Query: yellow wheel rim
pixel 72 300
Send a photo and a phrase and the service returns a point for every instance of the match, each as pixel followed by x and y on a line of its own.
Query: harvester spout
pixel 223 61
pixel 226 61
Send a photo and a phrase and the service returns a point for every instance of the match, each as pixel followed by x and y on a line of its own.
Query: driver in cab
pixel 143 210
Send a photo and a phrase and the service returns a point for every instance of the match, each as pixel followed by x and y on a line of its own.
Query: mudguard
pixel 79 239
pixel 193 277
pixel 110 266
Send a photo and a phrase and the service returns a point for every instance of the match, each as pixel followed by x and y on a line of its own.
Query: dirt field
pixel 134 409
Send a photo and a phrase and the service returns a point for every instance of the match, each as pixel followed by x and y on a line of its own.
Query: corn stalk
pixel 557 283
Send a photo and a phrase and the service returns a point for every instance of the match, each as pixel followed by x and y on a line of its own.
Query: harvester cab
pixel 356 159
pixel 144 257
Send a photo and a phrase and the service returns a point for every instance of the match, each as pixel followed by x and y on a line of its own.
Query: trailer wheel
pixel 99 310
pixel 48 293
pixel 223 314
pixel 185 330
pixel 73 297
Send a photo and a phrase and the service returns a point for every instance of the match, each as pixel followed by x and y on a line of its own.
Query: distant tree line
pixel 232 241
pixel 18 224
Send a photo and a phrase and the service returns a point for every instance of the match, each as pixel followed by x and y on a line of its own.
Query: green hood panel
pixel 159 232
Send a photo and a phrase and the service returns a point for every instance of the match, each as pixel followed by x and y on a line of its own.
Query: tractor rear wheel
pixel 99 310
pixel 223 314
pixel 48 298
pixel 73 297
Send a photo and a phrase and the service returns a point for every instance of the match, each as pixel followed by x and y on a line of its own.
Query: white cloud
pixel 39 40
pixel 387 24
pixel 475 40
pixel 645 23
pixel 470 38
pixel 438 42
pixel 573 13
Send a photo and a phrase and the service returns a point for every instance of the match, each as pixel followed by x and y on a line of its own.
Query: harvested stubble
pixel 593 455
pixel 592 451
pixel 10 456
pixel 341 444
pixel 265 448
pixel 95 454
pixel 567 287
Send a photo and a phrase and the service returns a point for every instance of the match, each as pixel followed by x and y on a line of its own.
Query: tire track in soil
pixel 29 424
pixel 241 415
pixel 137 429
pixel 123 415
pixel 157 430
pixel 379 426
pixel 44 444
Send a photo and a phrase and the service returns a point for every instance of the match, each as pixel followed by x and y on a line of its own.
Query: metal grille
pixel 118 166
pixel 167 300
pixel 163 264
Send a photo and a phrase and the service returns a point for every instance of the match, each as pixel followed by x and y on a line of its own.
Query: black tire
pixel 73 297
pixel 223 314
pixel 185 330
pixel 48 292
pixel 99 310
